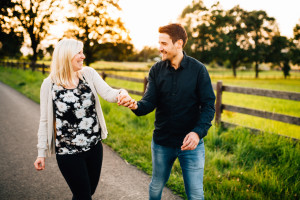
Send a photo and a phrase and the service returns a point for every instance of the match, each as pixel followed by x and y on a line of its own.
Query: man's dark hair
pixel 175 31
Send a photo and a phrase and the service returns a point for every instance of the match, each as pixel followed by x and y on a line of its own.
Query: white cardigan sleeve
pixel 43 126
pixel 102 88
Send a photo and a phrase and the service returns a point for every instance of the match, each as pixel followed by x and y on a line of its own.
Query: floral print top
pixel 77 126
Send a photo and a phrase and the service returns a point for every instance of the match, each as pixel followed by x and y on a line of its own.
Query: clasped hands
pixel 125 100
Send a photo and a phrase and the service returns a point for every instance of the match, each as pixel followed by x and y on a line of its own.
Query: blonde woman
pixel 71 121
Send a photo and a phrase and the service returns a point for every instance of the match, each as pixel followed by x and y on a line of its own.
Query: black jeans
pixel 82 171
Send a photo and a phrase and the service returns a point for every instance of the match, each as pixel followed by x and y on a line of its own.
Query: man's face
pixel 167 49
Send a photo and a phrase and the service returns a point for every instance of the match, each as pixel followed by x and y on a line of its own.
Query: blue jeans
pixel 192 166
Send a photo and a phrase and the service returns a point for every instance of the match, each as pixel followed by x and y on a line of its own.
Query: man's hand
pixel 39 164
pixel 133 105
pixel 190 141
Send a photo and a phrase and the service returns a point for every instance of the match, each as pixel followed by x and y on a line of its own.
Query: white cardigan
pixel 46 141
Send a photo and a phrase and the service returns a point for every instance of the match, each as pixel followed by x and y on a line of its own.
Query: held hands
pixel 125 100
pixel 39 164
pixel 190 141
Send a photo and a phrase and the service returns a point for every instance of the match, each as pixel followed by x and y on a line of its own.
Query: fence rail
pixel 218 87
pixel 220 107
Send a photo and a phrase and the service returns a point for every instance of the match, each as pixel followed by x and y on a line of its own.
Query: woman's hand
pixel 39 163
pixel 125 100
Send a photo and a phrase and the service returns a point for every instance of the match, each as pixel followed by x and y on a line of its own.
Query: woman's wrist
pixel 123 92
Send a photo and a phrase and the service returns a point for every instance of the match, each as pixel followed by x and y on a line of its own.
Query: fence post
pixel 218 103
pixel 103 75
pixel 33 65
pixel 145 84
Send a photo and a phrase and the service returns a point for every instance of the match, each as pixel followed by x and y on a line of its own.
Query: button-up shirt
pixel 183 98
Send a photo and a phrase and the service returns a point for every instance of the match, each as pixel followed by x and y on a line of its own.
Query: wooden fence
pixel 218 87
pixel 220 107
pixel 26 66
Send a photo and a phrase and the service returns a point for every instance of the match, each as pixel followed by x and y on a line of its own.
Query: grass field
pixel 239 165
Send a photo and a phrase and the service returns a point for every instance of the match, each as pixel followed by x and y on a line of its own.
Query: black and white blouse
pixel 77 126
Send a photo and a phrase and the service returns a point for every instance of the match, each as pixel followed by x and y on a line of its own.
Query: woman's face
pixel 77 61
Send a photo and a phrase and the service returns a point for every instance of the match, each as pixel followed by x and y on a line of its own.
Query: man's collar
pixel 183 62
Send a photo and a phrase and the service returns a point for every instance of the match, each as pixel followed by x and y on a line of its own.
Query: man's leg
pixel 192 165
pixel 162 162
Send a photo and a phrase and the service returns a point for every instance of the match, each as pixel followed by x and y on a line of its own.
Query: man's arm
pixel 206 114
pixel 149 101
pixel 207 99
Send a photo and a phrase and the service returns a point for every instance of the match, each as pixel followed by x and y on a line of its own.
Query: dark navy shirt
pixel 183 98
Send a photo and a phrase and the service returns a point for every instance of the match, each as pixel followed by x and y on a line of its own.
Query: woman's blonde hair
pixel 62 72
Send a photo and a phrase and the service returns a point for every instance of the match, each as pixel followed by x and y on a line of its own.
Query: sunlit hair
pixel 62 72
pixel 175 31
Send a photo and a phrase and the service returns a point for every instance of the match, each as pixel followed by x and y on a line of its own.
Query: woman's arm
pixel 43 125
pixel 104 90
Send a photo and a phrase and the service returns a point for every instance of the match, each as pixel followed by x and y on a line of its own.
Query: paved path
pixel 19 118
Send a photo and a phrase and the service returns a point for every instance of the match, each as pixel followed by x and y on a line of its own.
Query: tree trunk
pixel 34 45
pixel 256 69
pixel 234 70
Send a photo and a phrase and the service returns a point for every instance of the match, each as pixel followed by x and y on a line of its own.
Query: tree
pixel 261 28
pixel 114 51
pixel 295 47
pixel 10 40
pixel 34 18
pixel 280 54
pixel 196 20
pixel 148 53
pixel 94 24
pixel 234 37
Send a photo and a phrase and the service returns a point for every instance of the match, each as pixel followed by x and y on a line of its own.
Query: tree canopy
pixel 94 24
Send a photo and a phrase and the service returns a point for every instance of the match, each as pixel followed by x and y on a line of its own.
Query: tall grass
pixel 239 164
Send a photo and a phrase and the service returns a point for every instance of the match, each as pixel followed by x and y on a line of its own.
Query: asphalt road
pixel 19 118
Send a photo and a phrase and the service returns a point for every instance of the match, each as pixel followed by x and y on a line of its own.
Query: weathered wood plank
pixel 262 92
pixel 263 114
pixel 218 102
pixel 125 78
pixel 130 91
pixel 122 70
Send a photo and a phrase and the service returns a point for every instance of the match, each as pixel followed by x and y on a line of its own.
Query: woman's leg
pixel 74 170
pixel 94 163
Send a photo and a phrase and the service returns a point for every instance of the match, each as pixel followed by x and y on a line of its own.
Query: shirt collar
pixel 183 63
pixel 184 60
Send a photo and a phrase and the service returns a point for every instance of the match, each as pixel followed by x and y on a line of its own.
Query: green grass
pixel 26 82
pixel 239 165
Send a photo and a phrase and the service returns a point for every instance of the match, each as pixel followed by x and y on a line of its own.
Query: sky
pixel 143 17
